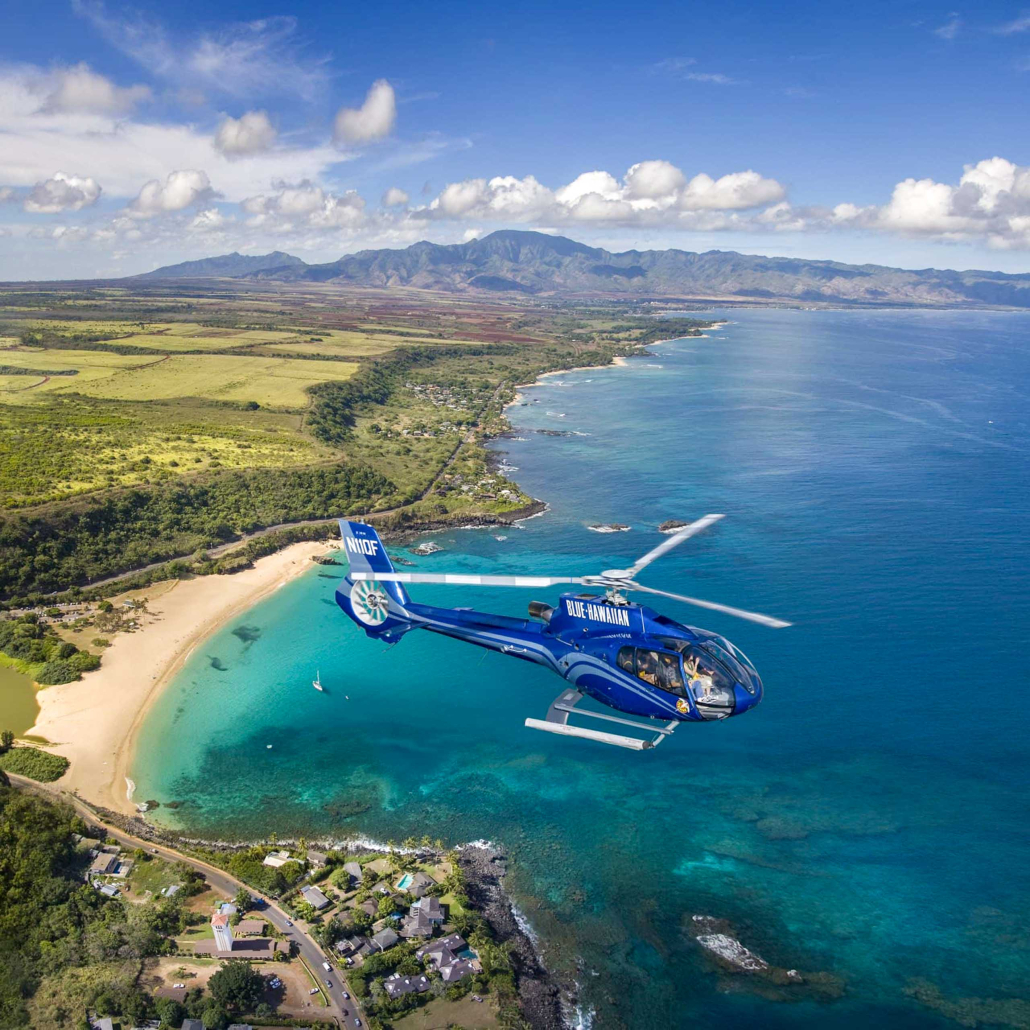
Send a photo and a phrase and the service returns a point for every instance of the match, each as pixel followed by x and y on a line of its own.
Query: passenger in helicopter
pixel 699 678
pixel 647 667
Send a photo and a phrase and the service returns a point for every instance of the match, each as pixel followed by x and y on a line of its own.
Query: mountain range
pixel 514 261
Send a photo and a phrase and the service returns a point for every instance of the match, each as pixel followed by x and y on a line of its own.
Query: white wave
pixel 525 926
pixel 582 1019
pixel 479 845
pixel 576 432
pixel 555 414
pixel 130 789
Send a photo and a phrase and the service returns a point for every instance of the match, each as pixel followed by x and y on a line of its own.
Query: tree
pixel 242 900
pixel 6 741
pixel 237 987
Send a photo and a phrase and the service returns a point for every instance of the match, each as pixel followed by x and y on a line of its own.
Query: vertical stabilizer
pixel 380 609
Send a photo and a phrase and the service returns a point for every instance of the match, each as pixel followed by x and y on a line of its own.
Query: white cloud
pixel 716 78
pixel 650 180
pixel 651 193
pixel 245 60
pixel 6 195
pixel 80 89
pixel 62 193
pixel 249 134
pixel 1020 24
pixel 950 29
pixel 122 152
pixel 991 203
pixel 208 220
pixel 180 190
pixel 305 206
pixel 737 191
pixel 394 197
pixel 372 121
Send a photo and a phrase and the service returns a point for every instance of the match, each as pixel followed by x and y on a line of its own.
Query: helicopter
pixel 625 655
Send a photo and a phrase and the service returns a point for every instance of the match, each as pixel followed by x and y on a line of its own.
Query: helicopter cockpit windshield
pixel 711 673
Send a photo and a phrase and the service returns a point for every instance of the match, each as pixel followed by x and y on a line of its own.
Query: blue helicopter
pixel 625 655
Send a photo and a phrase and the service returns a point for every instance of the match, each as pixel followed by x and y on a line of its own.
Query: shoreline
pixel 94 722
pixel 111 704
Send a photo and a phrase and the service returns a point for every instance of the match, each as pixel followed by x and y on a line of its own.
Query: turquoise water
pixel 868 820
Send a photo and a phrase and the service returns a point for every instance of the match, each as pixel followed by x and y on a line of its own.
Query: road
pixel 344 1011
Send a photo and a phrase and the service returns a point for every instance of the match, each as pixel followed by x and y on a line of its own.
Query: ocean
pixel 867 821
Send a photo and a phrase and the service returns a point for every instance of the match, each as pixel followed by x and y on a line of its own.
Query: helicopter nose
pixel 746 698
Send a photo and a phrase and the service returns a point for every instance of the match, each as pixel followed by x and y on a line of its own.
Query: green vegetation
pixel 163 423
pixel 237 987
pixel 37 651
pixel 63 947
pixel 37 765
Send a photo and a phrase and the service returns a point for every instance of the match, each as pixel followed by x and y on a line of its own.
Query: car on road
pixel 328 983
pixel 289 922
pixel 328 968
pixel 314 990
pixel 357 1022
pixel 346 995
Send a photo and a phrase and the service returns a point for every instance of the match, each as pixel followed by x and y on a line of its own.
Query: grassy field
pixel 357 400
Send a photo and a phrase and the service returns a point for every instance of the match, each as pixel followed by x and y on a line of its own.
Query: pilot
pixel 647 667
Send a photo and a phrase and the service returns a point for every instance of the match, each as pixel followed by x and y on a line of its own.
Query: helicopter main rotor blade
pixel 674 541
pixel 740 613
pixel 463 579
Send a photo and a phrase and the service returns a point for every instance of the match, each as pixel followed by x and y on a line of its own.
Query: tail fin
pixel 380 609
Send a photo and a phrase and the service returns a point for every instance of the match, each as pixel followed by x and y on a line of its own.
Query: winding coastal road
pixel 345 1012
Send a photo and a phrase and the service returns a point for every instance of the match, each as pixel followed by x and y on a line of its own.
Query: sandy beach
pixel 93 722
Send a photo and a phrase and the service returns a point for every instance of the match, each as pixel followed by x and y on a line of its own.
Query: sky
pixel 133 136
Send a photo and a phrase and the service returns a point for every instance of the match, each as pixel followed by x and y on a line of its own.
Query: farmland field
pixel 265 403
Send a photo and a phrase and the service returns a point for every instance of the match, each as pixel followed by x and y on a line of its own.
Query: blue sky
pixel 135 135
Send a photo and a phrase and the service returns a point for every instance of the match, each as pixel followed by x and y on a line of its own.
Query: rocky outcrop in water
pixel 724 949
pixel 671 525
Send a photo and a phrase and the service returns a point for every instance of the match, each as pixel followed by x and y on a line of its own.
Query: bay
pixel 867 820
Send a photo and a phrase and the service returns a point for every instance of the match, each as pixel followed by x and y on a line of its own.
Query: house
pixel 443 952
pixel 396 986
pixel 349 945
pixel 223 931
pixel 123 867
pixel 385 939
pixel 354 872
pixel 104 1024
pixel 382 887
pixel 314 897
pixel 240 1026
pixel 370 907
pixel 250 927
pixel 192 1024
pixel 316 859
pixel 107 889
pixel 423 918
pixel 103 864
pixel 171 891
pixel 227 908
pixel 420 882
pixel 459 970
pixel 276 859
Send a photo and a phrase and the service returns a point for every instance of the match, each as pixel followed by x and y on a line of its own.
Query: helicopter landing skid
pixel 564 705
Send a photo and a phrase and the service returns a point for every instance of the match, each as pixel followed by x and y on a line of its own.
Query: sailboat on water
pixel 317 681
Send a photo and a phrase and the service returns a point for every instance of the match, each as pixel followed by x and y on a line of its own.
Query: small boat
pixel 317 681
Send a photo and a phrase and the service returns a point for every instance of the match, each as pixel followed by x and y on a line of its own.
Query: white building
pixel 223 932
